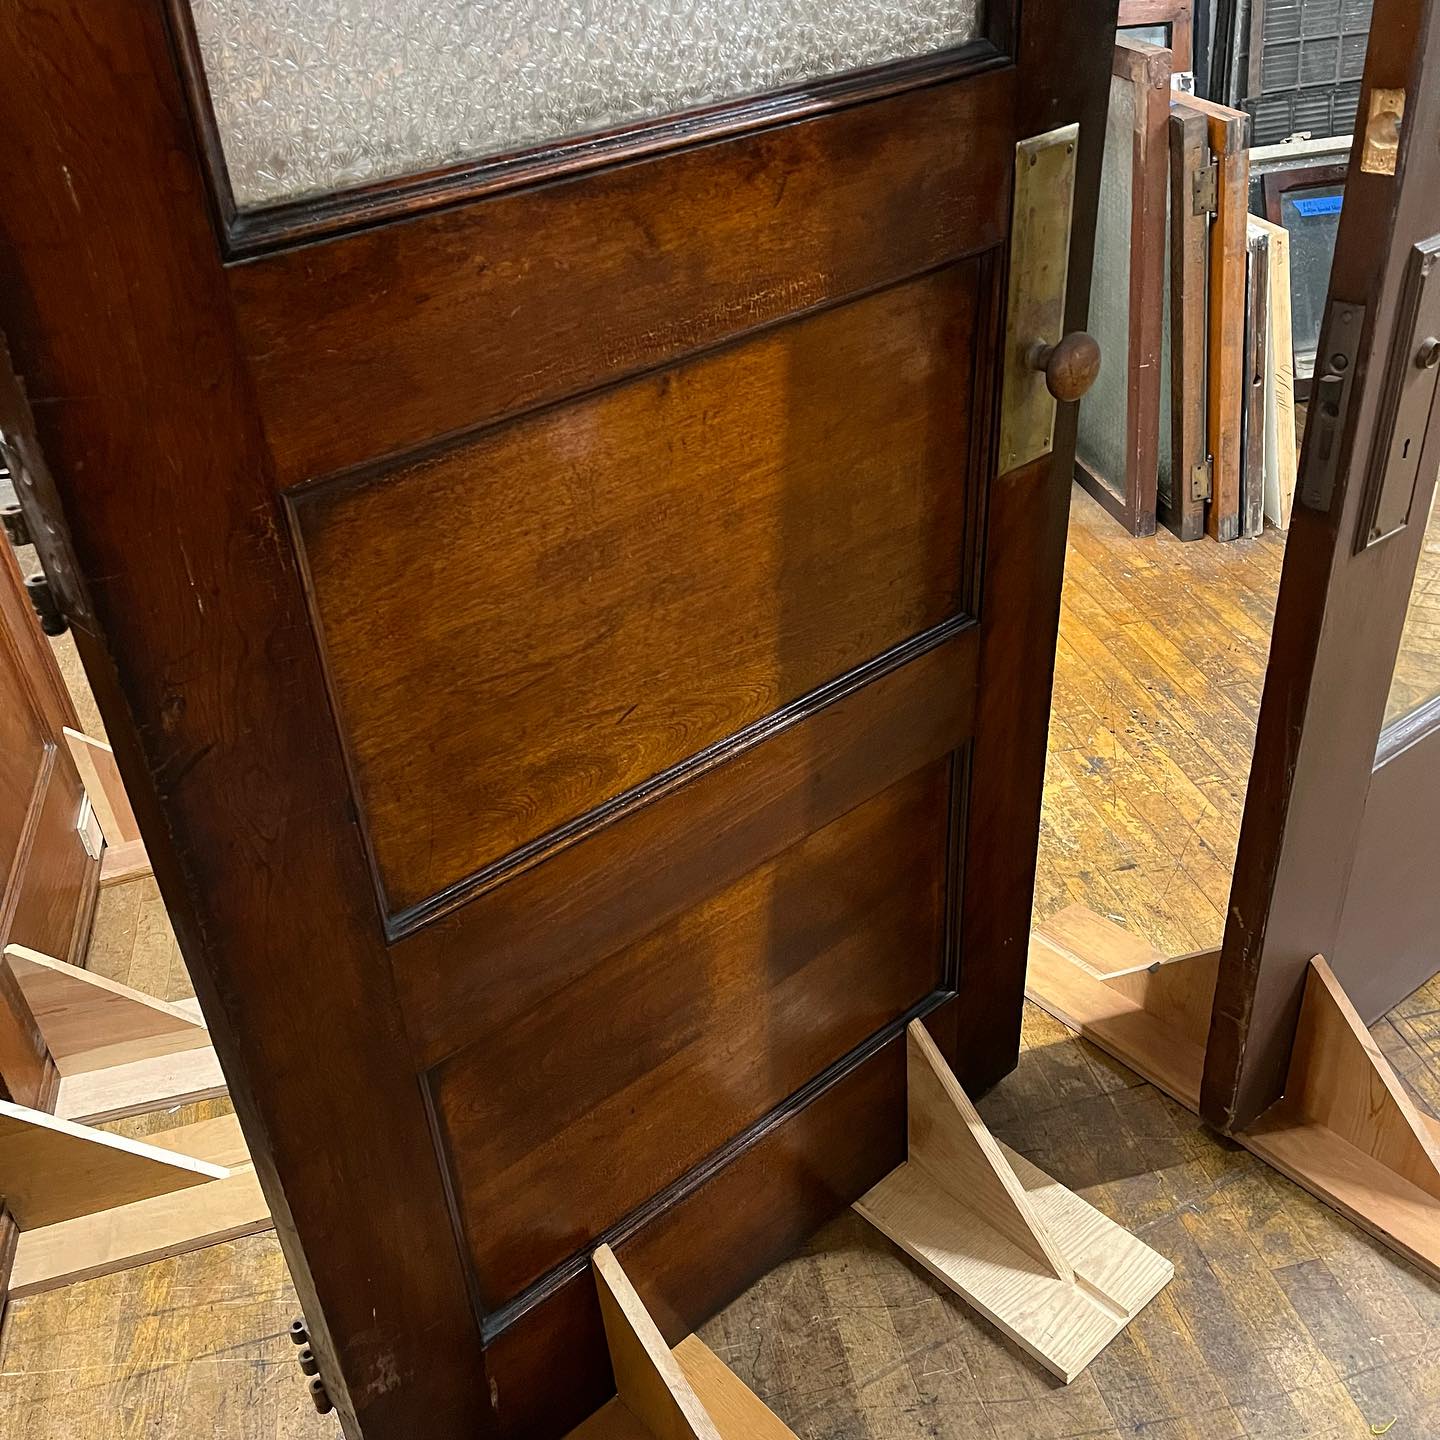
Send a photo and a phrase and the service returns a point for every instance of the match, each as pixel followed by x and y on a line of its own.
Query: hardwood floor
pixel 1283 1320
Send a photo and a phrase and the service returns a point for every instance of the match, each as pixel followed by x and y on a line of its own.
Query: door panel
pixel 377 342
pixel 582 681
pixel 701 1028
pixel 603 592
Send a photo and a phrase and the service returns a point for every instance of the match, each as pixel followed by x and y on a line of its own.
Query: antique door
pixel 48 879
pixel 1338 848
pixel 526 482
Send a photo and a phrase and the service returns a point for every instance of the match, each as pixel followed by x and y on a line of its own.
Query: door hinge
pixel 13 518
pixel 46 606
pixel 1205 196
pixel 1202 477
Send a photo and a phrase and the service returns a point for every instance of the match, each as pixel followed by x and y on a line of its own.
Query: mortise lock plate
pixel 1035 314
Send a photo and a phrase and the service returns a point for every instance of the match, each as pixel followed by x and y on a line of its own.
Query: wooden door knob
pixel 1070 365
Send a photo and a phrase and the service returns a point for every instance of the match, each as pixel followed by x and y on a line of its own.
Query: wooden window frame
pixel 1179 15
pixel 1146 68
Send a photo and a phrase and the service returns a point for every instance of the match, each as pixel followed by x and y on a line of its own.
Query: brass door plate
pixel 1039 267
pixel 1382 132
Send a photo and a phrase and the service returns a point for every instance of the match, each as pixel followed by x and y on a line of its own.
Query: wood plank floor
pixel 1283 1320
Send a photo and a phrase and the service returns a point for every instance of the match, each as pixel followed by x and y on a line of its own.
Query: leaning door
pixel 1338 850
pixel 574 620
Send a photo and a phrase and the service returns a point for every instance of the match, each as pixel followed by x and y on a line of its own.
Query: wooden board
pixel 126 861
pixel 145 1230
pixel 1062 1325
pixel 1041 1264
pixel 95 761
pixel 52 1169
pixel 738 1413
pixel 90 1022
pixel 1229 130
pixel 1280 494
pixel 141 1086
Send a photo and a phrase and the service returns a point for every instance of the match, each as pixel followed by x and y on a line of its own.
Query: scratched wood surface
pixel 1283 1320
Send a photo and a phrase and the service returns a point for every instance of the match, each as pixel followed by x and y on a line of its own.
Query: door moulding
pixel 1345 1129
pixel 1045 1267
pixel 686 1393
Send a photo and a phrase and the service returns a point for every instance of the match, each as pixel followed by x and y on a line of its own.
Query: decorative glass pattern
pixel 1416 681
pixel 313 96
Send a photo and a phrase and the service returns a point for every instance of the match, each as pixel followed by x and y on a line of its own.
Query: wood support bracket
pixel 1345 1129
pixel 87 1202
pixel 1042 1265
pixel 665 1394
pixel 1148 1010
pixel 124 856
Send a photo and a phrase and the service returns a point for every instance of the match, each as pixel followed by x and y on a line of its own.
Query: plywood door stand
pixel 88 1202
pixel 663 1394
pixel 1041 1264
pixel 1345 1130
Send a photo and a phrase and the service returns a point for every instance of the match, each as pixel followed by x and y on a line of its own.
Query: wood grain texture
pixel 1229 132
pixel 90 1022
pixel 53 1169
pixel 701 1028
pixel 472 973
pixel 95 761
pixel 649 1382
pixel 123 862
pixel 949 1142
pixel 137 1087
pixel 378 342
pixel 704 551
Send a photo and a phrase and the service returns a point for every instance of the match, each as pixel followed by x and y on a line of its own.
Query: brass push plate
pixel 1039 265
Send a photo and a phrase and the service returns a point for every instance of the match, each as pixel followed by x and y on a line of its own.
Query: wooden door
pixel 1338 849
pixel 579 664
pixel 49 879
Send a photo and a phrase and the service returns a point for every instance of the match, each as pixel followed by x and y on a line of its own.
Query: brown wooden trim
pixel 1275 183
pixel 253 232
pixel 1179 15
pixel 1338 621
pixel 1229 136
pixel 384 1296
pixel 1189 151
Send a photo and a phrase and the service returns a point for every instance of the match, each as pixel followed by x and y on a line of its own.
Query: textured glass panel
pixel 1417 669
pixel 314 96
pixel 1312 216
pixel 1101 439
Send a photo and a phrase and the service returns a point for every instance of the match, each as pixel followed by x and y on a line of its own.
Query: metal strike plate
pixel 1406 402
pixel 1329 402
pixel 1039 266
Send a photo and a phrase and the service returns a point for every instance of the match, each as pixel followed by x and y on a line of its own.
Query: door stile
pixel 107 436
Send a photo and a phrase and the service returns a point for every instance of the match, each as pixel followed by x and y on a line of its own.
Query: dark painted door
pixel 1339 848
pixel 533 515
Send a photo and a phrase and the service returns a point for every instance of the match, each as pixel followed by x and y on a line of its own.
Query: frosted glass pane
pixel 313 96
pixel 1101 439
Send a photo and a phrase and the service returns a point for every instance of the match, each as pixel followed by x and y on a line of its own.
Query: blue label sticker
pixel 1319 204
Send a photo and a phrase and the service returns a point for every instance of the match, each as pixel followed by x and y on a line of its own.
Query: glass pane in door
pixel 1416 681
pixel 313 96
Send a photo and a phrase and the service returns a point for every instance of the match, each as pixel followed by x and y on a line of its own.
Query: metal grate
pixel 1312 56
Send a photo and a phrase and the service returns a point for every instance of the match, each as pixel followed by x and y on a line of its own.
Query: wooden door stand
pixel 1344 1129
pixel 124 856
pixel 88 1202
pixel 686 1393
pixel 1041 1264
